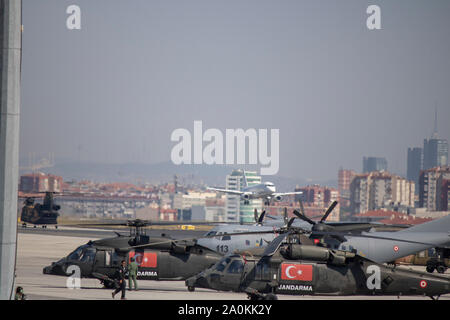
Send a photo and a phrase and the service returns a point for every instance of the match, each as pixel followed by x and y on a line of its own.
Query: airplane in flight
pixel 265 191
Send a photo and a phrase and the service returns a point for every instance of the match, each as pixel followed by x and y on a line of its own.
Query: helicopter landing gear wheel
pixel 108 284
pixel 441 269
pixel 271 296
pixel 254 297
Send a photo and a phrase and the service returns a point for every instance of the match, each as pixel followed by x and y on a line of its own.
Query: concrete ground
pixel 37 250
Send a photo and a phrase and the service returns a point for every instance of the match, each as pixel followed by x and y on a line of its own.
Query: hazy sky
pixel 115 90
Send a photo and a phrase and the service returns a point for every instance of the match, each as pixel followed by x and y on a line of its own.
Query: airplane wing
pixel 286 193
pixel 227 191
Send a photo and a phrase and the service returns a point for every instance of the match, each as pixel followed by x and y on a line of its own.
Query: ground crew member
pixel 132 274
pixel 19 294
pixel 120 277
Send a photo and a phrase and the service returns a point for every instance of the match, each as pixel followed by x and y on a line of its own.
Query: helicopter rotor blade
pixel 302 210
pixel 290 222
pixel 283 233
pixel 285 216
pixel 140 223
pixel 338 235
pixel 204 237
pixel 173 241
pixel 327 213
pixel 261 217
pixel 304 218
pixel 275 244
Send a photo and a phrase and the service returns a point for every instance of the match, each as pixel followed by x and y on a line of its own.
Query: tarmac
pixel 37 249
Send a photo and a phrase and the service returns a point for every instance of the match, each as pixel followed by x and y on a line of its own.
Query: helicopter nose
pixel 55 268
pixel 203 280
pixel 197 282
pixel 47 270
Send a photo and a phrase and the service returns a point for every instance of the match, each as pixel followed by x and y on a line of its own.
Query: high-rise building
pixel 433 184
pixel 435 150
pixel 443 192
pixel 345 178
pixel 371 164
pixel 414 165
pixel 236 209
pixel 380 190
pixel 435 153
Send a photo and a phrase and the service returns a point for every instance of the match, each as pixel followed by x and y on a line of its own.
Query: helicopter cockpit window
pixel 84 253
pixel 88 254
pixel 211 233
pixel 237 266
pixel 76 254
pixel 220 266
pixel 226 237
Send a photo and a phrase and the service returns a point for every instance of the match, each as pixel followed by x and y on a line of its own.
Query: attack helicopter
pixel 299 268
pixel 40 214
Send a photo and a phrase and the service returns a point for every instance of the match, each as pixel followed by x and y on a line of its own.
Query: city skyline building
pixel 40 182
pixel 435 150
pixel 345 178
pixel 414 165
pixel 320 198
pixel 381 190
pixel 435 153
pixel 371 164
pixel 235 209
pixel 434 188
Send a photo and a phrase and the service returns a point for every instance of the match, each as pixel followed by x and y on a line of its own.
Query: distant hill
pixel 213 175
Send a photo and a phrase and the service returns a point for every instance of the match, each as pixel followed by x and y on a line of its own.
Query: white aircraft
pixel 265 191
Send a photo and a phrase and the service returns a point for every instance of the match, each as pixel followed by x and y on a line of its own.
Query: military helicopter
pixel 159 258
pixel 243 238
pixel 163 258
pixel 299 268
pixel 40 214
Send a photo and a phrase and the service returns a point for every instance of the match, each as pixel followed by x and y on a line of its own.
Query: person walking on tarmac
pixel 132 274
pixel 19 294
pixel 120 276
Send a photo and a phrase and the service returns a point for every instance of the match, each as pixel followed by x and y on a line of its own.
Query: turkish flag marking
pixel 145 259
pixel 299 272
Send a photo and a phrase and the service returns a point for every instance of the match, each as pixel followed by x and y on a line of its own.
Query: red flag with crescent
pixel 298 272
pixel 145 259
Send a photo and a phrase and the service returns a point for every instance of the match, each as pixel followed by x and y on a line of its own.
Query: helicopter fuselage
pixel 318 271
pixel 100 259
